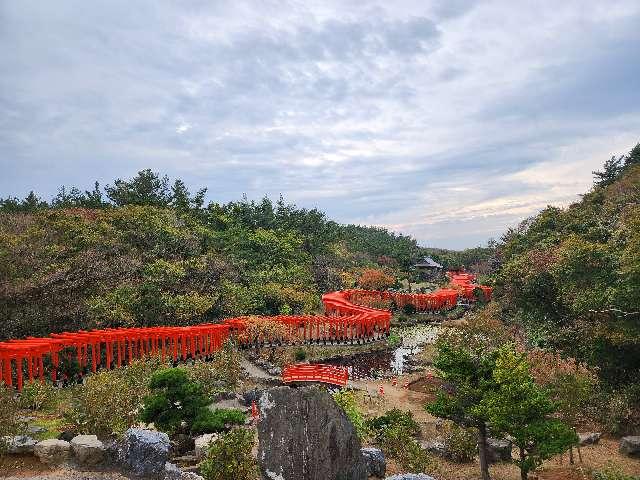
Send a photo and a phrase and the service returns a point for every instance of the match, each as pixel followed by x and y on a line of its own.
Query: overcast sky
pixel 447 120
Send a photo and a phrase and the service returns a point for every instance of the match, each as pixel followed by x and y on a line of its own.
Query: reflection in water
pixel 375 364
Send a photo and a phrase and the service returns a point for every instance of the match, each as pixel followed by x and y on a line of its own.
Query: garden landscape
pixel 240 242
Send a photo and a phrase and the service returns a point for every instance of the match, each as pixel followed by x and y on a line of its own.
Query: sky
pixel 449 120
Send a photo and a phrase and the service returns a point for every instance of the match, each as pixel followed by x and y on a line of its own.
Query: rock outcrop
pixel 590 438
pixel 410 476
pixel 144 452
pixel 304 435
pixel 88 450
pixel 201 444
pixel 52 451
pixel 630 446
pixel 20 444
pixel 376 463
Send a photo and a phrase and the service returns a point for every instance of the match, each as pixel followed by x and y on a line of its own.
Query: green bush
pixel 218 420
pixel 397 442
pixel 38 396
pixel 109 401
pixel 460 443
pixel 612 472
pixel 619 411
pixel 175 401
pixel 219 374
pixel 409 309
pixel 394 340
pixel 346 399
pixel 10 425
pixel 230 457
pixel 300 354
pixel 394 418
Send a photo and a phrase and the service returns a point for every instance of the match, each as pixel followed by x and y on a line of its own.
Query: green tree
pixel 147 188
pixel 516 406
pixel 468 376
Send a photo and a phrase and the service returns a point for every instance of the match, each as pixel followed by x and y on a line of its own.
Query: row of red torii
pixel 346 319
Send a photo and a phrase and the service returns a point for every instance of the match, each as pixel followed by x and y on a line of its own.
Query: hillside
pixel 571 276
pixel 153 255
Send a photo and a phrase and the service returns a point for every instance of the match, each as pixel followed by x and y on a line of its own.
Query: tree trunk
pixel 482 451
pixel 523 472
pixel 579 453
pixel 571 455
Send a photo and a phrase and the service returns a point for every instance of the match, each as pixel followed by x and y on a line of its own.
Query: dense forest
pixel 147 252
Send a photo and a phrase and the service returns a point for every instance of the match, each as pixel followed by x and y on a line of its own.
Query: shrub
pixel 409 309
pixel 374 279
pixel 619 411
pixel 218 420
pixel 175 401
pixel 221 373
pixel 10 425
pixel 394 418
pixel 346 399
pixel 393 340
pixel 612 472
pixel 398 443
pixel 230 457
pixel 38 396
pixel 261 330
pixel 109 401
pixel 460 443
pixel 300 354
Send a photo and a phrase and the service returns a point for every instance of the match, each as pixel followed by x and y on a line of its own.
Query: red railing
pixel 304 372
pixel 345 320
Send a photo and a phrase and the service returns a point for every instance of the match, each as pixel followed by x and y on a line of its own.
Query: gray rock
pixel 88 450
pixel 20 444
pixel 304 434
pixel 144 452
pixel 35 429
pixel 250 396
pixel 630 446
pixel 590 438
pixel 410 476
pixel 52 451
pixel 66 436
pixel 376 463
pixel 173 472
pixel 435 447
pixel 201 444
pixel 275 371
pixel 498 450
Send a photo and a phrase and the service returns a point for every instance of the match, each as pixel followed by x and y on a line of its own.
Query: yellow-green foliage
pixel 10 424
pixel 221 373
pixel 230 457
pixel 38 396
pixel 109 401
pixel 346 399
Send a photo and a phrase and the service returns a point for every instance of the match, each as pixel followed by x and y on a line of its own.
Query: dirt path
pixel 594 456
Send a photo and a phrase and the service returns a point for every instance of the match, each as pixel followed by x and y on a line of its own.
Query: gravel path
pixel 68 473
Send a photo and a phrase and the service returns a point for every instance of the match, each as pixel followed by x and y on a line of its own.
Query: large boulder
pixel 590 438
pixel 435 447
pixel 498 450
pixel 201 444
pixel 144 452
pixel 410 476
pixel 304 435
pixel 173 472
pixel 376 463
pixel 88 450
pixel 52 451
pixel 630 446
pixel 20 444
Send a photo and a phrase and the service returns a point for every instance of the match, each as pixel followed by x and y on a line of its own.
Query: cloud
pixel 447 120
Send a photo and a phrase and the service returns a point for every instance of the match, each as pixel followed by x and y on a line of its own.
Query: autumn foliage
pixel 374 279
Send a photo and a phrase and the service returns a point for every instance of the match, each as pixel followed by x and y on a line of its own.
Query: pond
pixel 386 363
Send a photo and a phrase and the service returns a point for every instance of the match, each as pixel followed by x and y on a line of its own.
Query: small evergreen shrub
pixel 175 401
pixel 409 309
pixel 394 418
pixel 218 420
pixel 398 442
pixel 300 355
pixel 612 472
pixel 230 457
